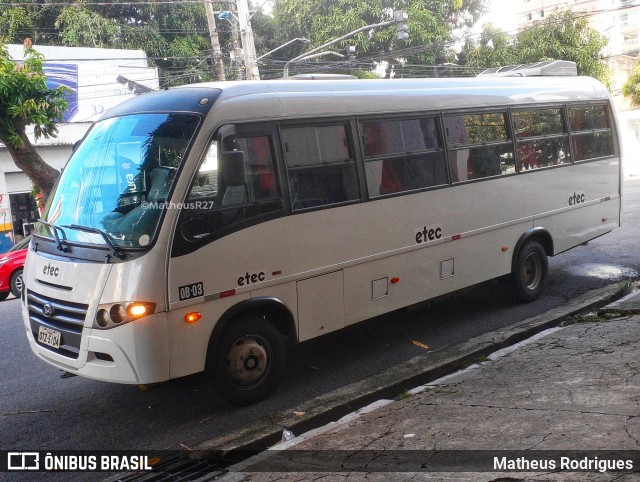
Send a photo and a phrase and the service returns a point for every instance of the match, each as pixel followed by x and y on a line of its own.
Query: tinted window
pixel 542 139
pixel 591 135
pixel 400 136
pixel 320 166
pixel 592 144
pixel 479 162
pixel 588 117
pixel 469 129
pixel 537 122
pixel 403 155
pixel 471 161
pixel 260 175
pixel 214 204
pixel 537 153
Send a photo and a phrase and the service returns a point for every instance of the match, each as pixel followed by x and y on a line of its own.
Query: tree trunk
pixel 26 158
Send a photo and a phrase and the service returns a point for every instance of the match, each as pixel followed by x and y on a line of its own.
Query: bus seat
pixel 390 182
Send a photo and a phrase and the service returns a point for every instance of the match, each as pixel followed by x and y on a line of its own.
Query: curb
pixel 394 380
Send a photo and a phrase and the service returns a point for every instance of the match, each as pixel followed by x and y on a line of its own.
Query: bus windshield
pixel 117 180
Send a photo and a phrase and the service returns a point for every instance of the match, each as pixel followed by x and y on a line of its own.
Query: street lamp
pixel 399 17
pixel 313 56
pixel 302 40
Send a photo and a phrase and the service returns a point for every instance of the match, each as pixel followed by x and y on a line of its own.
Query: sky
pixel 501 14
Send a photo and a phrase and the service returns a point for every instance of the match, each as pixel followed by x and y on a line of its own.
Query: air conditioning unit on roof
pixel 537 69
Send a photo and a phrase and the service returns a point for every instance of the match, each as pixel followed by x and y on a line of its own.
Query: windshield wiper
pixel 62 243
pixel 112 247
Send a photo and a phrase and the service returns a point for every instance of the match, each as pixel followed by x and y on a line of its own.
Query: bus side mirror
pixel 232 168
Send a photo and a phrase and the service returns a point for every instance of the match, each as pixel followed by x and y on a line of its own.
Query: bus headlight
pixel 102 318
pixel 115 314
pixel 118 313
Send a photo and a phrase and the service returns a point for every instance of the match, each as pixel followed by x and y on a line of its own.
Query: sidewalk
pixel 568 389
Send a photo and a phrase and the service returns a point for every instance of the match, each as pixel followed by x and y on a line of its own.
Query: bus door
pixel 234 190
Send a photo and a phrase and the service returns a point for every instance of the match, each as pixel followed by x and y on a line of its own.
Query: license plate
pixel 49 337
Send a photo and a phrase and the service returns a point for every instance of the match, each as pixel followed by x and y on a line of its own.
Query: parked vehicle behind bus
pixel 211 227
pixel 11 267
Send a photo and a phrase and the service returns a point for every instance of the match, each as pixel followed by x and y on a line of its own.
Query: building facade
pixel 617 20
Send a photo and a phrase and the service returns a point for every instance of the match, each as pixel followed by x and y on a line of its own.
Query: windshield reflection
pixel 118 177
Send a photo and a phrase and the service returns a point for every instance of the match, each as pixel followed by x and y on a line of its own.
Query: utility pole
pixel 237 48
pixel 248 43
pixel 215 41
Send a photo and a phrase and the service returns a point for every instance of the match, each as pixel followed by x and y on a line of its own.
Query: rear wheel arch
pixel 541 235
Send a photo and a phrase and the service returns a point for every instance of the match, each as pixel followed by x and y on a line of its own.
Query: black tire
pixel 17 283
pixel 4 295
pixel 247 361
pixel 529 274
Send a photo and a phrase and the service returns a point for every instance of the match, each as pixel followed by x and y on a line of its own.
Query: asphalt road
pixel 39 410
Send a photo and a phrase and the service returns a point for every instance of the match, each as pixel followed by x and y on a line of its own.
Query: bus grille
pixel 66 318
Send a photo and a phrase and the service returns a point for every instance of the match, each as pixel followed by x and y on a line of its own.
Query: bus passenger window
pixel 403 155
pixel 591 135
pixel 320 165
pixel 479 146
pixel 542 140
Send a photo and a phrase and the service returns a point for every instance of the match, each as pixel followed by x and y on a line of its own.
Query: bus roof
pixel 272 99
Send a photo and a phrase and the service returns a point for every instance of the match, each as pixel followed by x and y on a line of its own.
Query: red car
pixel 11 264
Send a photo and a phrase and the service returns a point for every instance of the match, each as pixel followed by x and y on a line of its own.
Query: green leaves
pixel 84 28
pixel 430 22
pixel 25 98
pixel 561 36
pixel 631 87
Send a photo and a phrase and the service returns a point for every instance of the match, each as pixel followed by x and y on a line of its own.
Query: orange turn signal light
pixel 192 317
pixel 139 309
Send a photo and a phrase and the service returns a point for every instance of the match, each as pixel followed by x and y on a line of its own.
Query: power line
pixel 177 73
pixel 106 4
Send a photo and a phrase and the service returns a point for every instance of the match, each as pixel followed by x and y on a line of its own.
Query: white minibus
pixel 209 228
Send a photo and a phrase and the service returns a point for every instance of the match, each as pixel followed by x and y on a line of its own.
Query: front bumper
pixel 136 352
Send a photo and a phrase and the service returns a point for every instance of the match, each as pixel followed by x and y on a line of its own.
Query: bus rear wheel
pixel 529 274
pixel 248 361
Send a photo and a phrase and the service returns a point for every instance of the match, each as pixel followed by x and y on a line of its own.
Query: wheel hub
pixel 247 361
pixel 532 271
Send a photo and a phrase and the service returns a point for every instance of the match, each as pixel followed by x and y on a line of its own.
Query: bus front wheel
pixel 248 361
pixel 529 272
